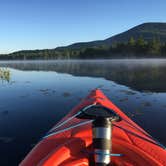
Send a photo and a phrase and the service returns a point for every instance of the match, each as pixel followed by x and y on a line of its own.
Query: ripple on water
pixel 138 112
pixel 128 92
pixel 146 104
pixel 47 91
pixel 124 99
pixel 66 94
pixel 6 139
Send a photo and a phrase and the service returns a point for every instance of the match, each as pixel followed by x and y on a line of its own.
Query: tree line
pixel 141 47
pixel 132 48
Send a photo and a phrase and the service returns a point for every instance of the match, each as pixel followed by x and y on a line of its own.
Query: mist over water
pixel 37 94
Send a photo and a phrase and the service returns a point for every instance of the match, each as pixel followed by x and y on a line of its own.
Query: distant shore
pixel 86 60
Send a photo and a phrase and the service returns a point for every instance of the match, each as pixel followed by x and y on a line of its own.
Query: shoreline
pixel 90 59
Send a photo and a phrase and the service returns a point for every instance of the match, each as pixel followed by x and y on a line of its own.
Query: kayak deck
pixel 70 143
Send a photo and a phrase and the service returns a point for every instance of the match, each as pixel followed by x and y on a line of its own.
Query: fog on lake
pixel 34 95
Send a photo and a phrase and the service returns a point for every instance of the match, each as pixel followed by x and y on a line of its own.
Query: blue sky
pixel 37 24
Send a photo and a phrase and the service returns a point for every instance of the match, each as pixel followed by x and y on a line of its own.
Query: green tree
pixel 131 41
pixel 155 46
pixel 163 49
pixel 140 42
pixel 141 46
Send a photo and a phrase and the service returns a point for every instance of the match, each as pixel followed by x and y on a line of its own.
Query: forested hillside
pixel 145 40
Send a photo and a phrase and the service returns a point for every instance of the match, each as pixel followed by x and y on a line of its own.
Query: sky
pixel 40 24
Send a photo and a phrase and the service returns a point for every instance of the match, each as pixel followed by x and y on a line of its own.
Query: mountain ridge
pixel 135 32
pixel 152 36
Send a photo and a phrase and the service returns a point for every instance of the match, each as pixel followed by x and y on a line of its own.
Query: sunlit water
pixel 35 95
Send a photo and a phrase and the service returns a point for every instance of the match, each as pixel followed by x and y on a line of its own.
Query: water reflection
pixel 42 97
pixel 142 75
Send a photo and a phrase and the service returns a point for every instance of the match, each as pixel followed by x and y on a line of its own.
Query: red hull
pixel 71 147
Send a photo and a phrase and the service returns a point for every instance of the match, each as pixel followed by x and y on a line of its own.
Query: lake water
pixel 37 94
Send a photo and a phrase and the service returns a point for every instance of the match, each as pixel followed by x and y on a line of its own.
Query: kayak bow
pixel 71 141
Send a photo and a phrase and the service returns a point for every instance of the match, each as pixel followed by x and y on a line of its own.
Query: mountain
pixel 150 41
pixel 147 30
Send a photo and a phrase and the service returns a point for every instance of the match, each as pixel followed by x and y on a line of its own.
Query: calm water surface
pixel 37 94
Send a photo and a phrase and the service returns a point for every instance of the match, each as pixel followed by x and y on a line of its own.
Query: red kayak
pixel 71 142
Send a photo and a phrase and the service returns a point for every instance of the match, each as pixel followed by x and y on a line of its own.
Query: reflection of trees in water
pixel 139 76
pixel 5 74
